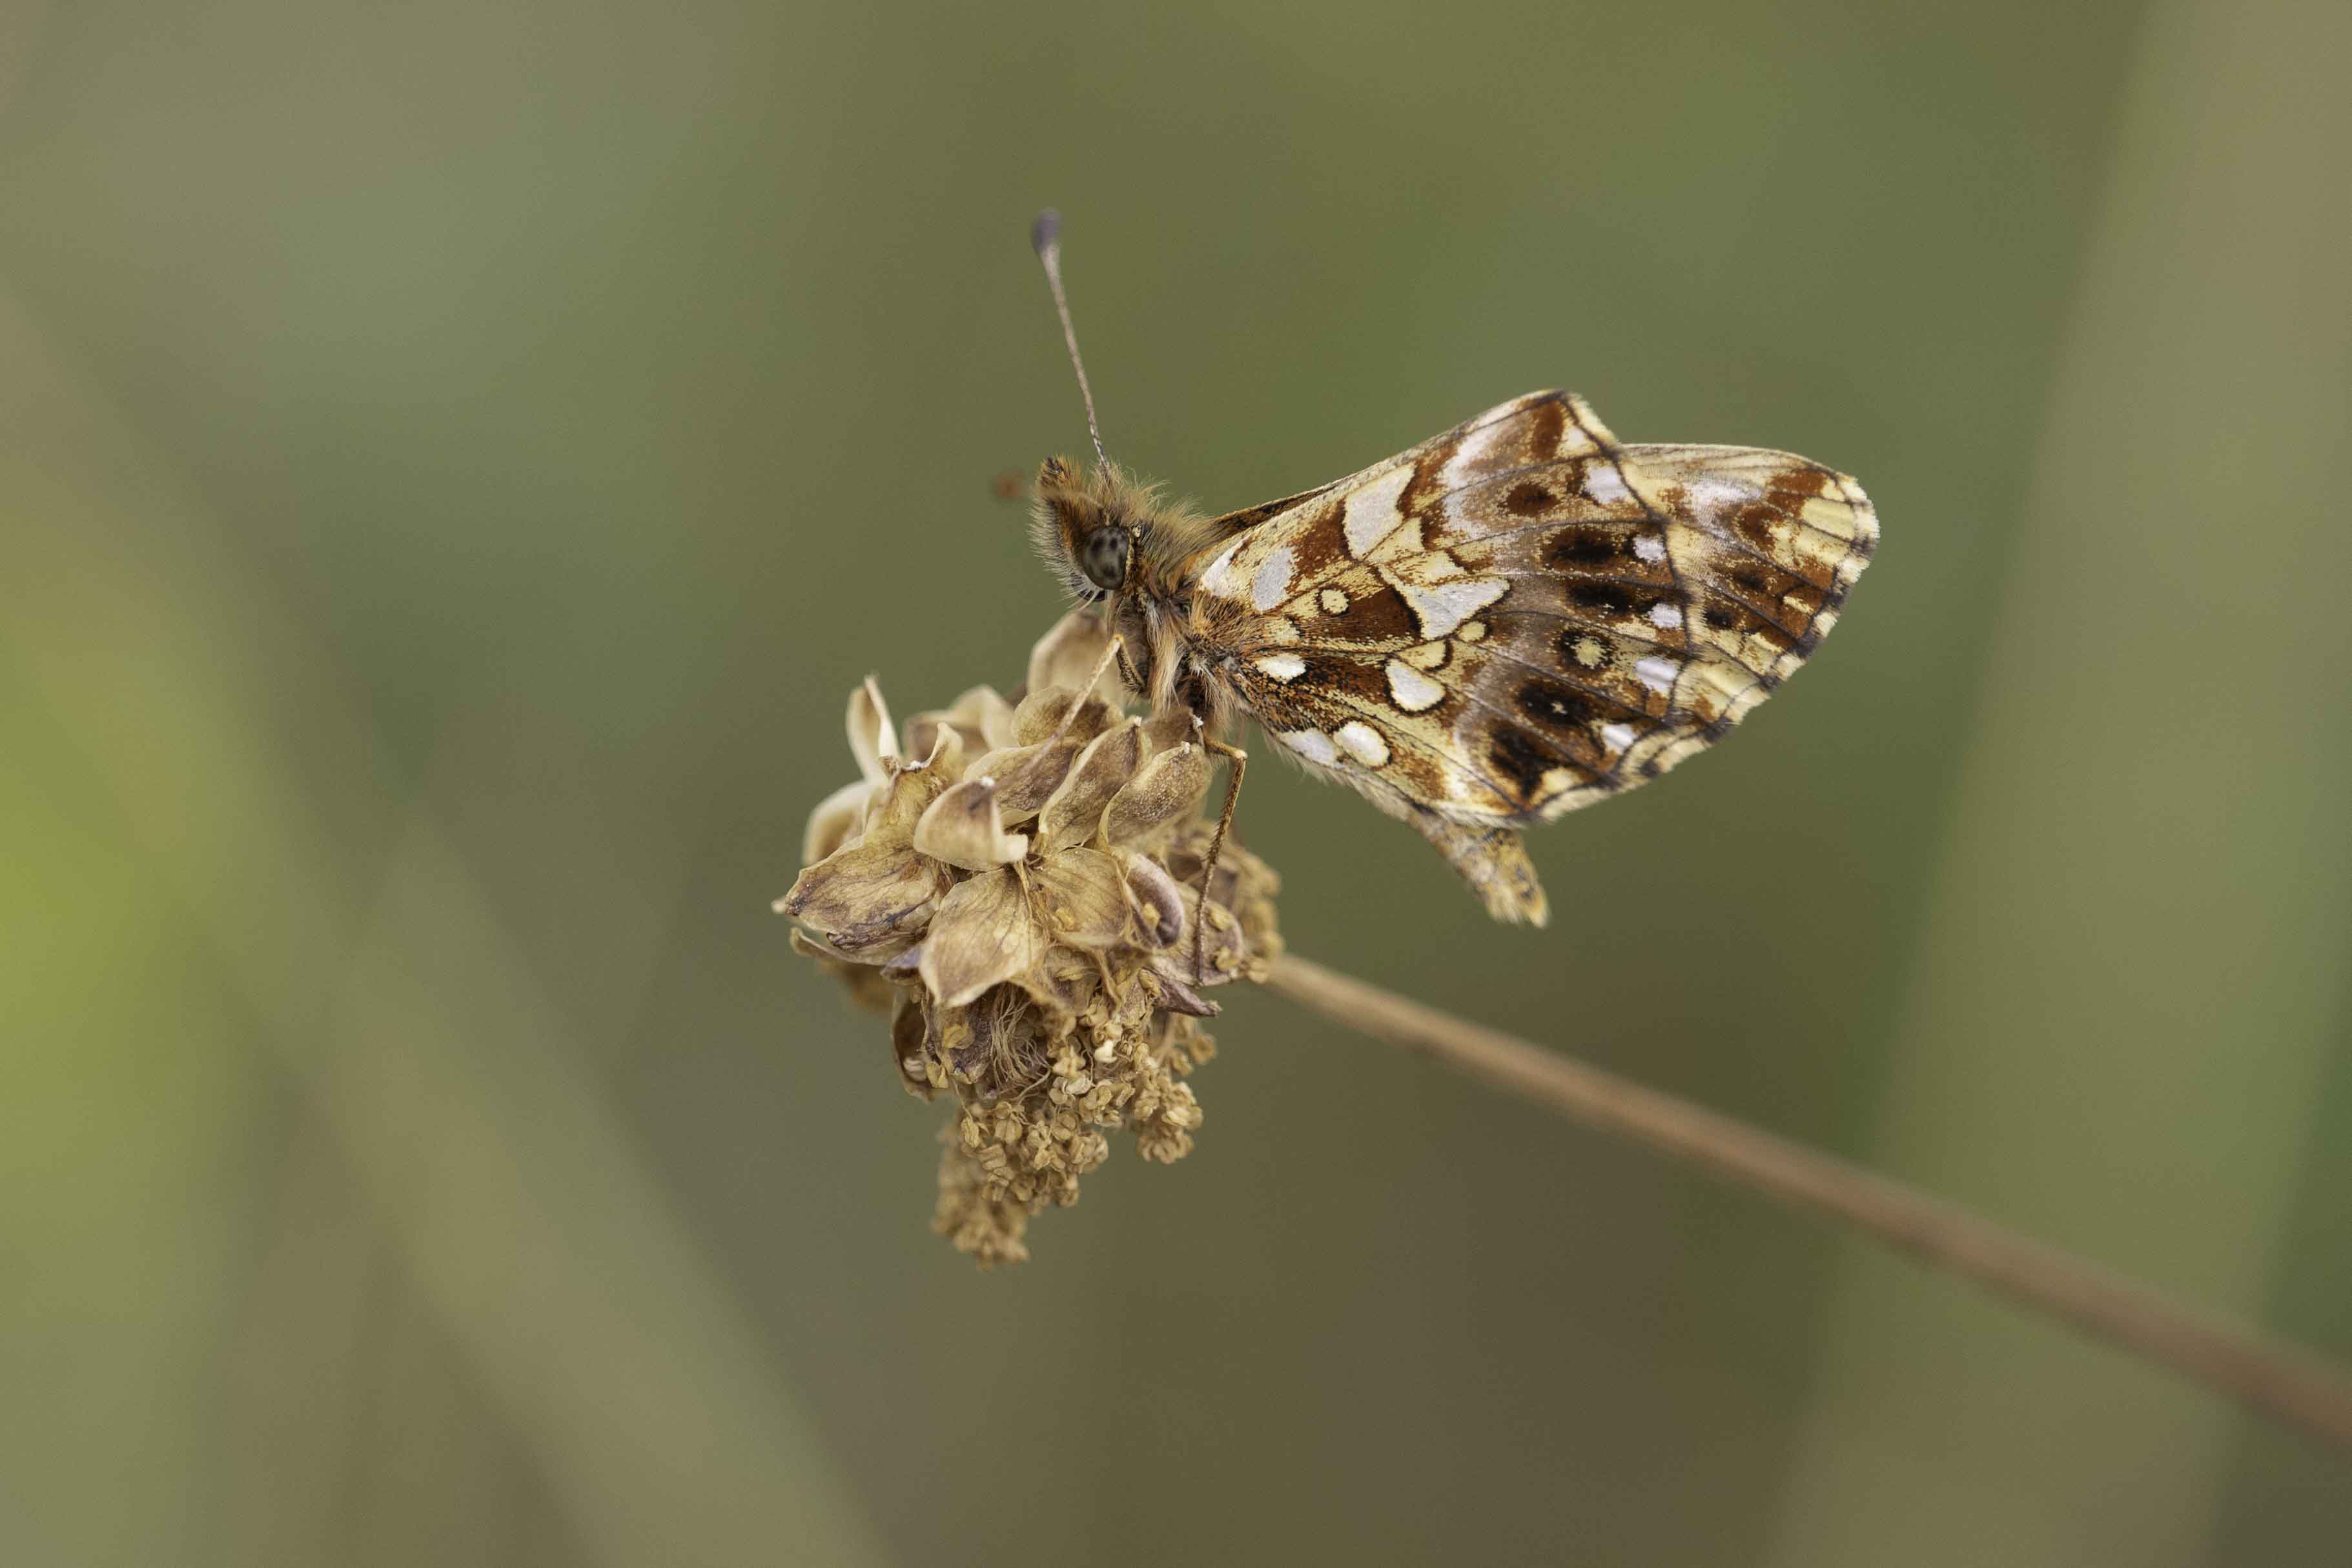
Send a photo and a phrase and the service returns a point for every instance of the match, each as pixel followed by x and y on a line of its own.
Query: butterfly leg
pixel 1116 653
pixel 1240 761
pixel 1126 670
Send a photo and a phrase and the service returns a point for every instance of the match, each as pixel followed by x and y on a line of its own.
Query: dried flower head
pixel 1017 889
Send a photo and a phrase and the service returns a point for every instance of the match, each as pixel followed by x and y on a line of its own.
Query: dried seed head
pixel 1020 902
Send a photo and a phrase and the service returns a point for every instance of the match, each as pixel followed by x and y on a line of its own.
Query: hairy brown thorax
pixel 1117 542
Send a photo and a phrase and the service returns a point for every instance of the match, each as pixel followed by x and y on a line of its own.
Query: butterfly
pixel 1512 620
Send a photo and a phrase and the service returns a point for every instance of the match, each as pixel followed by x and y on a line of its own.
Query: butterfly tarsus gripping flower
pixel 1017 891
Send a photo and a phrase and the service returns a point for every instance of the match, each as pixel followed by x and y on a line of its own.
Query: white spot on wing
pixel 1281 666
pixel 1363 743
pixel 1475 455
pixel 1373 510
pixel 1656 673
pixel 1333 601
pixel 1413 691
pixel 1710 496
pixel 1604 483
pixel 1438 609
pixel 1270 586
pixel 1650 547
pixel 1618 736
pixel 1312 744
pixel 1666 617
pixel 1218 578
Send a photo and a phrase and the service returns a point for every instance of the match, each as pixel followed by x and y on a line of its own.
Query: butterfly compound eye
pixel 1102 556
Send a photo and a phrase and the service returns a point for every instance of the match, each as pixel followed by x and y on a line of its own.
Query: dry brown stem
pixel 2283 1382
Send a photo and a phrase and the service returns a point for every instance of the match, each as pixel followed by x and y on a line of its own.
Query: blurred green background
pixel 457 458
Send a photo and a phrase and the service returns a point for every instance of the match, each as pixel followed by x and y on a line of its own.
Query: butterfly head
pixel 1092 527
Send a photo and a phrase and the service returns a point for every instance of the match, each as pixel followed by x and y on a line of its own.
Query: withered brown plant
pixel 1016 889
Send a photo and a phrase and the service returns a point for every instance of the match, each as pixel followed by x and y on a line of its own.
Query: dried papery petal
pixel 911 1044
pixel 923 732
pixel 945 752
pixel 1059 984
pixel 1026 776
pixel 1171 727
pixel 964 828
pixel 838 818
pixel 1042 714
pixel 870 899
pixel 1224 955
pixel 992 714
pixel 982 720
pixel 817 948
pixel 1073 813
pixel 1084 900
pixel 982 935
pixel 1168 788
pixel 1176 997
pixel 1158 900
pixel 871 739
pixel 890 818
pixel 1068 654
pixel 1065 981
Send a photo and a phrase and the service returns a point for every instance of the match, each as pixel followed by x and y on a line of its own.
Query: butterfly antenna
pixel 1045 234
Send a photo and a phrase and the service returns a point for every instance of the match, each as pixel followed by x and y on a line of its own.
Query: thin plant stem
pixel 2283 1382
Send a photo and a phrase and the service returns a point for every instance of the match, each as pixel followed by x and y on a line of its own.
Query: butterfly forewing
pixel 1522 615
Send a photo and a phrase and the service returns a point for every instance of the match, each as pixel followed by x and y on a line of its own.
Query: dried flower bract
pixel 1017 889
